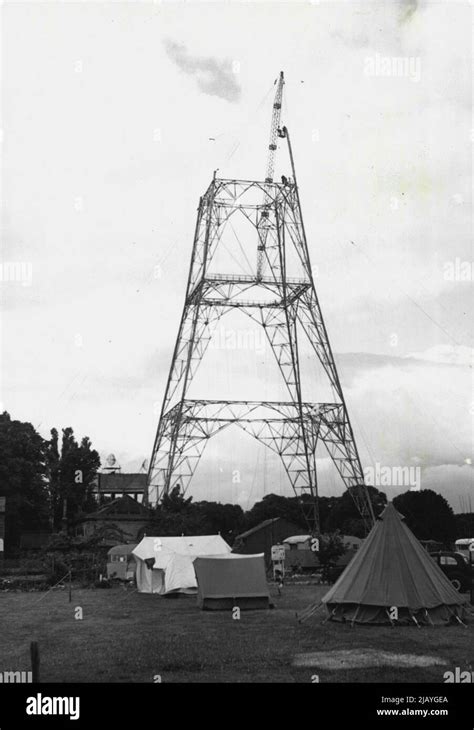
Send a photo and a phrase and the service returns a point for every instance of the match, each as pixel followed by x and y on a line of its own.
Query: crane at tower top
pixel 274 132
pixel 275 125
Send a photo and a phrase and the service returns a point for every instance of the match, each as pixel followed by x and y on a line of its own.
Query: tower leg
pixel 195 332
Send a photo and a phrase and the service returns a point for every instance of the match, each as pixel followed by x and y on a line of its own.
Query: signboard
pixel 471 547
pixel 278 553
pixel 314 544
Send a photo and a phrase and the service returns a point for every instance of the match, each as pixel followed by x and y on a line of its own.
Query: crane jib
pixel 274 133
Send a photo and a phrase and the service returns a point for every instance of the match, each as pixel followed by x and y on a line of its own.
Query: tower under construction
pixel 280 296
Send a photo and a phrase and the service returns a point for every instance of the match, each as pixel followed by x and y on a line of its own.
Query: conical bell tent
pixel 392 579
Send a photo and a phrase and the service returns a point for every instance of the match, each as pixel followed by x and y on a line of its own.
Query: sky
pixel 114 117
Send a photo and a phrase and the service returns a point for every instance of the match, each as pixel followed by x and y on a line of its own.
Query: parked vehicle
pixel 455 567
pixel 301 555
pixel 463 545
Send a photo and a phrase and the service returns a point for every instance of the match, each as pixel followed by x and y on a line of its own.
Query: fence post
pixel 471 566
pixel 35 661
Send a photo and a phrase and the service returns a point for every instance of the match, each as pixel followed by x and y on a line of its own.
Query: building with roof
pixel 259 539
pixel 121 520
pixel 111 485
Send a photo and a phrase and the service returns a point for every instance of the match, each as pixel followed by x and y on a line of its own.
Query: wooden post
pixel 35 661
pixel 471 566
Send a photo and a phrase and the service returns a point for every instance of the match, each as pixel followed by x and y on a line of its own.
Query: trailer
pixel 464 546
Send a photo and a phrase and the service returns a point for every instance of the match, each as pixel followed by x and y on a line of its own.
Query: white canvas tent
pixel 165 564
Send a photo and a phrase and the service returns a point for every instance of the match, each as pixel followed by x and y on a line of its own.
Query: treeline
pixel 49 483
pixel 426 513
pixel 46 481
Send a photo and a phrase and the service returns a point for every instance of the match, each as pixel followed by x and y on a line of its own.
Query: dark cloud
pixel 213 77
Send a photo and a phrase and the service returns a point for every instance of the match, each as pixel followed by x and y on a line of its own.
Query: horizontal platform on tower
pixel 224 190
pixel 247 279
pixel 228 289
pixel 230 410
pixel 242 303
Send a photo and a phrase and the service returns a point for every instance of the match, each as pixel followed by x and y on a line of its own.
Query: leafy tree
pixel 335 513
pixel 71 473
pixel 176 515
pixel 464 525
pixel 427 514
pixel 331 547
pixel 273 505
pixel 54 471
pixel 110 531
pixel 165 523
pixel 226 519
pixel 175 501
pixel 345 516
pixel 87 465
pixel 326 505
pixel 22 478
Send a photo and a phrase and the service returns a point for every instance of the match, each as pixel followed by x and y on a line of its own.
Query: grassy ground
pixel 125 636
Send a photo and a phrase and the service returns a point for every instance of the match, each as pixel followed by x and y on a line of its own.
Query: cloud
pixel 213 77
pixel 448 354
pixel 454 482
pixel 416 408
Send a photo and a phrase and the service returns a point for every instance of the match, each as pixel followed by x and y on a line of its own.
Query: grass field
pixel 125 636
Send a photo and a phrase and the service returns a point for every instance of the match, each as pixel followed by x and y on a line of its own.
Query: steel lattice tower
pixel 285 306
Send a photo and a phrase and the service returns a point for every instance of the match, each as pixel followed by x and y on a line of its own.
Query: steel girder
pixel 190 424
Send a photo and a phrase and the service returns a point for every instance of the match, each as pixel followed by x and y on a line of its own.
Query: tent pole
pixel 305 613
pixel 457 617
pixel 308 612
pixel 414 619
pixel 355 616
pixel 314 609
pixel 429 617
pixel 329 617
